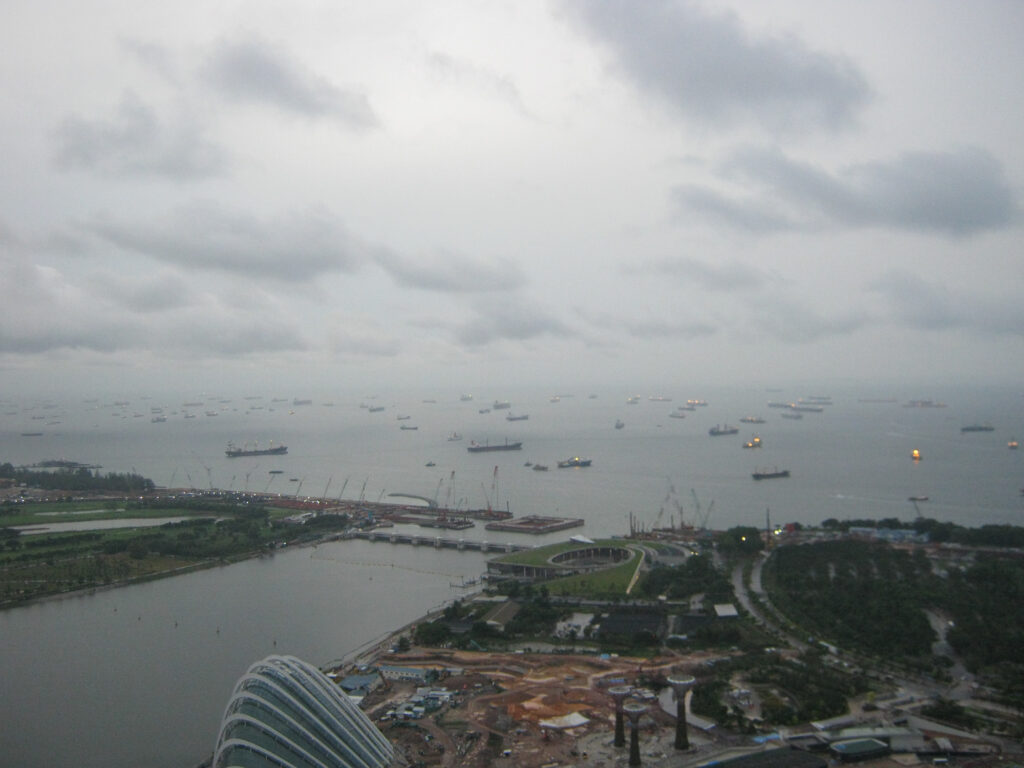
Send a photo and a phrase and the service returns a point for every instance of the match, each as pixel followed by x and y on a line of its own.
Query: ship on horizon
pixel 234 452
pixel 769 475
pixel 475 447
pixel 719 429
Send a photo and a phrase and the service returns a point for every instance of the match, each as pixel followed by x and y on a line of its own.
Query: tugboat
pixel 575 461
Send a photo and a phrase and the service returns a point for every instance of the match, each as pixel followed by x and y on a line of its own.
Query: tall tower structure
pixel 634 711
pixel 680 685
pixel 619 694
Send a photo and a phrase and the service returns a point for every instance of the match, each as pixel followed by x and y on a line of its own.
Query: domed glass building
pixel 284 712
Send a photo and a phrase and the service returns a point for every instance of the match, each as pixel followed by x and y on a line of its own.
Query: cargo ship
pixel 475 447
pixel 765 475
pixel 718 430
pixel 978 428
pixel 233 453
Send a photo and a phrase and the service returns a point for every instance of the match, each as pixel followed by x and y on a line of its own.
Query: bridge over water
pixel 394 537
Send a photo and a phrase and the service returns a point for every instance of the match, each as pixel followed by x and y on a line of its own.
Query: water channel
pixel 140 675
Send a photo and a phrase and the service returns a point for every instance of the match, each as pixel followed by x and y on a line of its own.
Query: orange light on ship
pixel 915 455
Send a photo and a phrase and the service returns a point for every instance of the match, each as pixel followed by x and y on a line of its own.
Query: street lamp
pixel 681 684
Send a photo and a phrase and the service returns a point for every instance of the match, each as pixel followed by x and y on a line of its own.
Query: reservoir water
pixel 139 676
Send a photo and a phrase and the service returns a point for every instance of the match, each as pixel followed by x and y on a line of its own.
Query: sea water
pixel 140 675
pixel 852 460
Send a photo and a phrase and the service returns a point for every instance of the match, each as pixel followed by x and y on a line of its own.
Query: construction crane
pixel 329 479
pixel 707 514
pixel 362 491
pixel 343 487
pixel 701 520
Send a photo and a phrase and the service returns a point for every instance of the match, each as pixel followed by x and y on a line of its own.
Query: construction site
pixel 526 710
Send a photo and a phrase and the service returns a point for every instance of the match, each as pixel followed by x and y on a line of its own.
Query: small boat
pixel 752 420
pixel 915 455
pixel 484 410
pixel 679 414
pixel 575 461
pixel 402 418
pixel 632 400
pixel 408 427
pixel 917 498
pixel 500 405
pixel 722 429
pixel 619 424
pixel 276 472
pixel 430 464
pixel 376 408
pixel 510 417
pixel 1012 445
pixel 978 428
pixel 454 436
pixel 792 415
pixel 754 442
pixel 540 468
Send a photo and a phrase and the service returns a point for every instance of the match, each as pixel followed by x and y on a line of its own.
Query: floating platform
pixel 535 524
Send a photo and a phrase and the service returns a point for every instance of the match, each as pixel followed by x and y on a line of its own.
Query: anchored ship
pixel 475 447
pixel 766 475
pixel 575 461
pixel 233 453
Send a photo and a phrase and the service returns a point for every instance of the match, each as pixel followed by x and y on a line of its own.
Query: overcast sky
pixel 503 193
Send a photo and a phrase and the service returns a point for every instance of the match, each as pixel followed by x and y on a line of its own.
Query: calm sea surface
pixel 140 675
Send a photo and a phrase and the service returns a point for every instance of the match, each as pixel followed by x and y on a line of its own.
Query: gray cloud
pixel 108 313
pixel 955 193
pixel 726 277
pixel 135 142
pixel 205 236
pixel 712 70
pixel 482 80
pixel 451 273
pixel 792 320
pixel 256 71
pixel 751 215
pixel 506 319
pixel 648 327
pixel 360 337
pixel 930 306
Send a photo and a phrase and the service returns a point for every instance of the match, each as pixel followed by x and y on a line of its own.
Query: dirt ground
pixel 505 704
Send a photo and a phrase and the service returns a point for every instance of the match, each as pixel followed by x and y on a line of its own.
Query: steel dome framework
pixel 285 713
